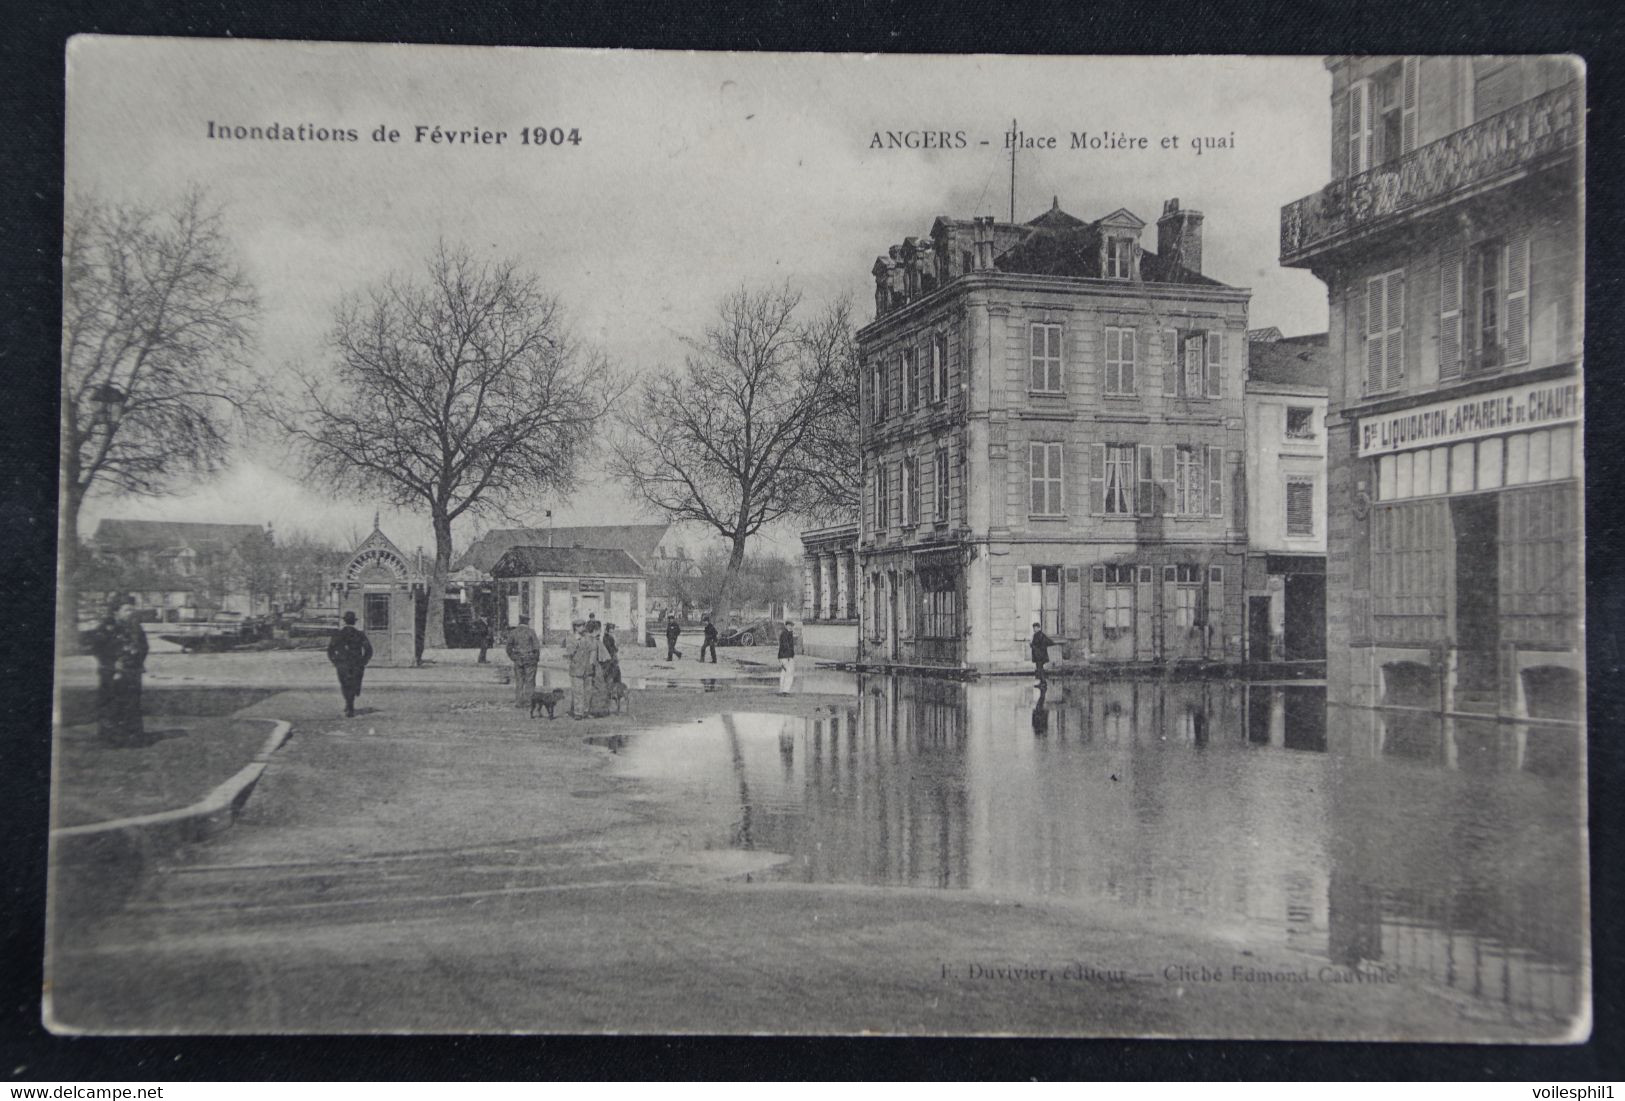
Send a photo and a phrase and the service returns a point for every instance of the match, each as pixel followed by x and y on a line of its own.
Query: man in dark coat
pixel 482 631
pixel 120 646
pixel 349 651
pixel 673 633
pixel 710 642
pixel 1040 652
pixel 524 650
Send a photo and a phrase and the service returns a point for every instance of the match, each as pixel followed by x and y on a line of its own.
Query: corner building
pixel 1052 419
pixel 1449 241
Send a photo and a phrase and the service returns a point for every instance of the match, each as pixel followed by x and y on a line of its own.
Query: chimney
pixel 982 237
pixel 1179 237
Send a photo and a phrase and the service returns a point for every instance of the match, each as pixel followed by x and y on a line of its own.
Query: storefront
pixel 1471 563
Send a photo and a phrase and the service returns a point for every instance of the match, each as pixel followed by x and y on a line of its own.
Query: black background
pixel 32 40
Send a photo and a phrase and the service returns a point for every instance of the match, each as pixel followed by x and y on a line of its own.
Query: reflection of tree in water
pixel 741 834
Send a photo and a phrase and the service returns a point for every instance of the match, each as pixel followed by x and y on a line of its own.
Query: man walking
pixel 710 642
pixel 673 633
pixel 482 631
pixel 349 651
pixel 1040 652
pixel 787 659
pixel 583 656
pixel 524 650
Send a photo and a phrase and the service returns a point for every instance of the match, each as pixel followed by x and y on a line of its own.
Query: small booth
pixel 388 594
pixel 557 585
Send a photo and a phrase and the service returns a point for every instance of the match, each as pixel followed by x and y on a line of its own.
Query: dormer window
pixel 1119 258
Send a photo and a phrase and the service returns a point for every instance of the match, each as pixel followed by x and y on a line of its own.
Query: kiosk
pixel 388 595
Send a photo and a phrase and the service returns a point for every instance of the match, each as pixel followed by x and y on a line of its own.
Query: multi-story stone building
pixel 1449 241
pixel 1052 420
pixel 1285 408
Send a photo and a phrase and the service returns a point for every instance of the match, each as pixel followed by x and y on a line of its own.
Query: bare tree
pixel 723 441
pixel 158 323
pixel 831 460
pixel 459 393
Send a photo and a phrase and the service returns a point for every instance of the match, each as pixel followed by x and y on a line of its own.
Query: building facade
pixel 1450 244
pixel 181 572
pixel 1052 433
pixel 555 586
pixel 1285 408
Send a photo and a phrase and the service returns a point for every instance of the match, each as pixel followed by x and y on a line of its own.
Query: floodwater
pixel 1452 851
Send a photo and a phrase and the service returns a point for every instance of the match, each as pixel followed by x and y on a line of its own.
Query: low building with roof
pixel 1285 412
pixel 555 586
pixel 180 571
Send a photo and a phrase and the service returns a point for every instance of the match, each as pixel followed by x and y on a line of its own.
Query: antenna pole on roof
pixel 1013 135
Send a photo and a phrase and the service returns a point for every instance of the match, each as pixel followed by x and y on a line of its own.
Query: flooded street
pixel 1382 845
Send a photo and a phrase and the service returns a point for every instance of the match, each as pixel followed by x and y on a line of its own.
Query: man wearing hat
pixel 583 659
pixel 349 651
pixel 524 650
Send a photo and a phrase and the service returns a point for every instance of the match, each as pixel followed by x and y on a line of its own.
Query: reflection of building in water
pixel 1449 242
pixel 1466 874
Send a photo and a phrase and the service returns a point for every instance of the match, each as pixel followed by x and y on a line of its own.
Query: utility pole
pixel 1013 133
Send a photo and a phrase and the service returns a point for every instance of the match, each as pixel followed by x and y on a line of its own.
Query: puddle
pixel 1448 850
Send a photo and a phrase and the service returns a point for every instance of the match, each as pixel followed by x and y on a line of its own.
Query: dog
pixel 620 697
pixel 548 699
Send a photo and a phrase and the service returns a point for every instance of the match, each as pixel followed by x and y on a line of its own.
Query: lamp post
pixel 109 402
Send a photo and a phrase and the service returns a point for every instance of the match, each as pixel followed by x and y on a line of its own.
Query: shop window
pixel 1046 598
pixel 939 603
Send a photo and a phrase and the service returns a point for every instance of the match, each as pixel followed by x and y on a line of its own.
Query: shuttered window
pixel 1045 359
pixel 1044 476
pixel 1360 109
pixel 1215 481
pixel 939 367
pixel 1450 293
pixel 1119 480
pixel 1384 331
pixel 941 463
pixel 1120 349
pixel 1300 507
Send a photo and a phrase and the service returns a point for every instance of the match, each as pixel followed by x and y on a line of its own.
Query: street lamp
pixel 109 401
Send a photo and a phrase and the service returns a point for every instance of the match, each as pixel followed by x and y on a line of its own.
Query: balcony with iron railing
pixel 1490 152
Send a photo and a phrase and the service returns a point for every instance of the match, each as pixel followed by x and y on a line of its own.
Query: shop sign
pixel 590 585
pixel 1517 408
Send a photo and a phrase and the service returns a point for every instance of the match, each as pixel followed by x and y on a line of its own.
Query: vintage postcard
pixel 610 542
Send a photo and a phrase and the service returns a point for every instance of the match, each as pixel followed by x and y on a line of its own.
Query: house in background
pixel 180 571
pixel 1450 242
pixel 1052 433
pixel 655 548
pixel 1285 408
pixel 555 586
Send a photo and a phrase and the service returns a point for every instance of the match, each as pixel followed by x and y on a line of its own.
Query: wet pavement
pixel 1390 846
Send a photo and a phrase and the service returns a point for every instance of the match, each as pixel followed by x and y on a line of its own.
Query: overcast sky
pixel 695 173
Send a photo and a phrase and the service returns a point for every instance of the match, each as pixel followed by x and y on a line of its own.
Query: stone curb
pixel 106 857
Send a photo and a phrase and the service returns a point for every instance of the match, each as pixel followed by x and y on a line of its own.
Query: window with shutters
pixel 941 465
pixel 1118 480
pixel 1117 607
pixel 1197 364
pixel 905 367
pixel 1189 480
pixel 910 475
pixel 881 509
pixel 877 394
pixel 939 367
pixel 1044 474
pixel 1360 107
pixel 1384 331
pixel 1300 506
pixel 1496 303
pixel 1045 360
pixel 1046 599
pixel 1120 348
pixel 1190 596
